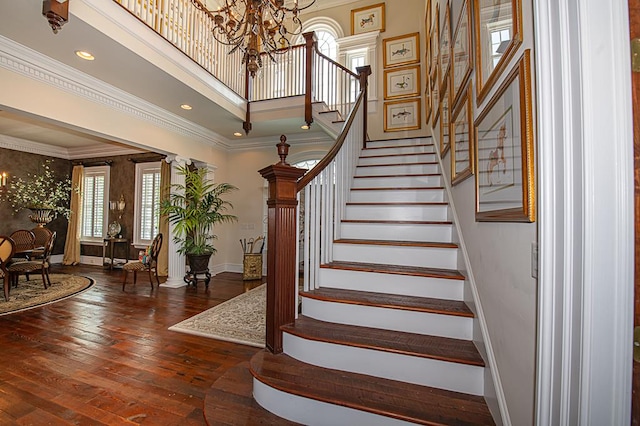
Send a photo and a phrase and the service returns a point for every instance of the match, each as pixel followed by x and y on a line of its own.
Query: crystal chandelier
pixel 257 26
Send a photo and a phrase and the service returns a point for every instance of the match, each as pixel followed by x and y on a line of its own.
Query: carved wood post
pixel 363 75
pixel 309 39
pixel 281 245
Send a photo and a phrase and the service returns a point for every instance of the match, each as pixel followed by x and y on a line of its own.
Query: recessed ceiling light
pixel 238 134
pixel 186 106
pixel 304 127
pixel 85 55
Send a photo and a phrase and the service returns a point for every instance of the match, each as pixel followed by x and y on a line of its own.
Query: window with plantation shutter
pixel 94 203
pixel 147 211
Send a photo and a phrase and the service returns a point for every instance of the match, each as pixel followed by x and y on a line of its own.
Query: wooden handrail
pixel 328 158
pixel 334 63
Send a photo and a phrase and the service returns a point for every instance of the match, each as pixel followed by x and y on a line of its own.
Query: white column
pixel 176 261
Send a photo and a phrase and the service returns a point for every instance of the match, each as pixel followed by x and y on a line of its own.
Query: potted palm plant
pixel 194 209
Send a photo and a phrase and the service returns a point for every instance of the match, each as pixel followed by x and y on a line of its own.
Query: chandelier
pixel 257 26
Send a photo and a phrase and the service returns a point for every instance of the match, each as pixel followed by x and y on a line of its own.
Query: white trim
pixel 586 251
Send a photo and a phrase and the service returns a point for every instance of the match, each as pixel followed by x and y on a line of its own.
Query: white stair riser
pixel 397 169
pixel 409 149
pixel 401 159
pixel 421 371
pixel 379 231
pixel 390 143
pixel 431 257
pixel 397 212
pixel 406 285
pixel 398 196
pixel 398 182
pixel 455 327
pixel 306 410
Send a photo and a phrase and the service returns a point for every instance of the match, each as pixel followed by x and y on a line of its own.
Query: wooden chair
pixel 42 235
pixel 7 248
pixel 151 265
pixel 42 265
pixel 24 242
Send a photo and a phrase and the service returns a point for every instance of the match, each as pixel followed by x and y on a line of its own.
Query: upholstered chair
pixel 150 266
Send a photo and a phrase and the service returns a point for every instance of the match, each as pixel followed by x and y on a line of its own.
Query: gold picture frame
pixel 462 137
pixel 435 100
pixel 367 19
pixel 434 46
pixel 402 115
pixel 498 34
pixel 504 157
pixel 427 103
pixel 402 82
pixel 445 118
pixel 401 50
pixel 462 47
pixel 444 56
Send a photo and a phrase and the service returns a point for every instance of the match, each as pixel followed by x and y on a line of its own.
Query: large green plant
pixel 194 208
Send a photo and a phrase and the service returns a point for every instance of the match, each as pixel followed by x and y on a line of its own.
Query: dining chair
pixel 42 265
pixel 24 242
pixel 42 236
pixel 150 266
pixel 7 247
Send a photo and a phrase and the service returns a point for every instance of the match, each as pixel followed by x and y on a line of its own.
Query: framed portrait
pixel 434 46
pixel 368 18
pixel 445 47
pixel 402 115
pixel 498 34
pixel 402 82
pixel 462 141
pixel 401 50
pixel 504 163
pixel 462 58
pixel 445 116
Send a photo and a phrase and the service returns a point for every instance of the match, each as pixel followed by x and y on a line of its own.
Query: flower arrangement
pixel 41 190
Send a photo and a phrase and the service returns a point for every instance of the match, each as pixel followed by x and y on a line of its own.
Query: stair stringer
pixel 493 391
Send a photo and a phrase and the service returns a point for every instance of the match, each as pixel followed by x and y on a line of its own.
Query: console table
pixel 109 244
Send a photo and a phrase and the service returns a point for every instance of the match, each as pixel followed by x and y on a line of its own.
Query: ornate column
pixel 281 245
pixel 176 261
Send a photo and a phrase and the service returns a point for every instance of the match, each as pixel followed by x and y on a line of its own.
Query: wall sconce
pixel 118 206
pixel 56 12
pixel 4 179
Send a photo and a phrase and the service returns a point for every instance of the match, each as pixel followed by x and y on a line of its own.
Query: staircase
pixel 387 338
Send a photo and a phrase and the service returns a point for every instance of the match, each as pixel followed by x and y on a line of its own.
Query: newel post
pixel 309 40
pixel 363 76
pixel 281 245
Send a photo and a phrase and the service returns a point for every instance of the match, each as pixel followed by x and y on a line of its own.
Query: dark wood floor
pixel 105 357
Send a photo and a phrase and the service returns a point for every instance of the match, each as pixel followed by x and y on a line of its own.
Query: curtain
pixel 72 244
pixel 165 189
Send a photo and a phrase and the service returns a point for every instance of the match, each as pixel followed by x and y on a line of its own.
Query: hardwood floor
pixel 105 357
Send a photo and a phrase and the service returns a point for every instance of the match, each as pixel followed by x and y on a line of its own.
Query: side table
pixel 110 243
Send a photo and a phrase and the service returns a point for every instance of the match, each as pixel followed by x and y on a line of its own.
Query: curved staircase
pixel 387 338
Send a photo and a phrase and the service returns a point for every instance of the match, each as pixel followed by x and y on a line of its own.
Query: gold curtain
pixel 72 244
pixel 165 188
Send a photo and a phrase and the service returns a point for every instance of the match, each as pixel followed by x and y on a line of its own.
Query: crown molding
pixel 300 139
pixel 25 61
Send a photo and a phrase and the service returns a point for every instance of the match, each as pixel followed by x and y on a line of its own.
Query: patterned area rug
pixel 238 320
pixel 31 294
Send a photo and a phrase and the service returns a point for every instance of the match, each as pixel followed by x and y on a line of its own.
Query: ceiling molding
pixel 23 60
pixel 300 139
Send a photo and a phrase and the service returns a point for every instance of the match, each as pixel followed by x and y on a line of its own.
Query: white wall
pixel 500 265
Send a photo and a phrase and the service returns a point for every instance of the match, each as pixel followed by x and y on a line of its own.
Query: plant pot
pixel 198 265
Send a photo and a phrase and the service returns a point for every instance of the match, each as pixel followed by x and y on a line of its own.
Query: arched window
pixel 327 32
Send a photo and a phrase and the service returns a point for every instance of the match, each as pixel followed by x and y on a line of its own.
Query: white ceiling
pixel 116 65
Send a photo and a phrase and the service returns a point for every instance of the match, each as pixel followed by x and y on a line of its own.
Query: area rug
pixel 31 294
pixel 238 320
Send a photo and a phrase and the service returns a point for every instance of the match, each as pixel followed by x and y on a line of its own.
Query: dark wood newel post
pixel 281 245
pixel 363 75
pixel 309 39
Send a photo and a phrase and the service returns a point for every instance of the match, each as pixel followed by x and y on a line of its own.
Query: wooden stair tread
pixel 397 243
pixel 404 401
pixel 398 342
pixel 398 146
pixel 408 154
pixel 391 301
pixel 399 203
pixel 400 222
pixel 404 188
pixel 230 401
pixel 328 111
pixel 392 176
pixel 396 269
pixel 421 163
